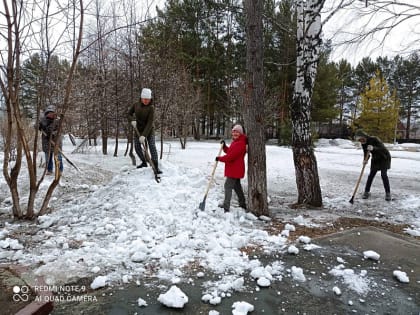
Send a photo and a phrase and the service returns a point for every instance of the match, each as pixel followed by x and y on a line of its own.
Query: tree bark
pixel 254 109
pixel 308 47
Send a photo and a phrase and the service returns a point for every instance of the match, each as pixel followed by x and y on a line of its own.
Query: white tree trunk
pixel 308 47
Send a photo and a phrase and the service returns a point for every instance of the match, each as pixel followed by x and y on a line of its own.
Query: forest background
pixel 193 55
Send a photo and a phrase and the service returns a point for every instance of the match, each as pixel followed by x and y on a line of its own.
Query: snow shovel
pixel 203 203
pixel 147 156
pixel 360 178
pixel 63 155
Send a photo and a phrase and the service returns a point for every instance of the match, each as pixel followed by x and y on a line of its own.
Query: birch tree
pixel 308 41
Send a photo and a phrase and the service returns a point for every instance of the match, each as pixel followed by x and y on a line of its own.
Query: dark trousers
pixel 233 184
pixel 384 176
pixel 152 147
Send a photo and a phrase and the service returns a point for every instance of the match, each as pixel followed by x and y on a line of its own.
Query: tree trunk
pixel 308 46
pixel 254 109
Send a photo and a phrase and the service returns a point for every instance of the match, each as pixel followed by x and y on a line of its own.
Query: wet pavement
pixel 385 295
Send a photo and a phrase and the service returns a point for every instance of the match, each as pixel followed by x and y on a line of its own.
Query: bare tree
pixel 19 31
pixel 254 108
pixel 373 24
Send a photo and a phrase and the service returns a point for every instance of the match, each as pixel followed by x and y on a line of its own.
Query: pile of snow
pixel 174 298
pixel 157 230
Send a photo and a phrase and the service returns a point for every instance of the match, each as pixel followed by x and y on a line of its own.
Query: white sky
pixel 113 212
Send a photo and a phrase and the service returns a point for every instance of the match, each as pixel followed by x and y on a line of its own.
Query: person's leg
pixel 49 161
pixel 240 193
pixel 369 182
pixel 139 151
pixel 385 181
pixel 60 161
pixel 229 186
pixel 153 151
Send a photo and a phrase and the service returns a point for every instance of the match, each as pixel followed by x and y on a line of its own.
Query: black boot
pixel 143 164
pixel 158 171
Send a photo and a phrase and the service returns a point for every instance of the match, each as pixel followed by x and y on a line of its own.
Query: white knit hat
pixel 238 128
pixel 146 93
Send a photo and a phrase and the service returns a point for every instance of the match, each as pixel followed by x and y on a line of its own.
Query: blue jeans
pixel 50 161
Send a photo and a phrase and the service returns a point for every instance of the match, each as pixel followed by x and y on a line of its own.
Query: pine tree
pixel 379 109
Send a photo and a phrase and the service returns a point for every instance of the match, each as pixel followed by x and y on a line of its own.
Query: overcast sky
pixel 401 40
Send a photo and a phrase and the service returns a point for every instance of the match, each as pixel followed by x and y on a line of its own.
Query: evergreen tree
pixel 31 83
pixel 346 92
pixel 379 109
pixel 324 97
pixel 408 90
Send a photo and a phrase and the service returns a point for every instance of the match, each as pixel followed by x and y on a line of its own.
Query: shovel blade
pixel 202 204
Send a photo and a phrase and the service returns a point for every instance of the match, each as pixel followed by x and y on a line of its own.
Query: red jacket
pixel 234 158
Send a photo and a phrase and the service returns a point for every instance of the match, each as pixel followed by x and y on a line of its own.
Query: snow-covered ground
pixel 115 223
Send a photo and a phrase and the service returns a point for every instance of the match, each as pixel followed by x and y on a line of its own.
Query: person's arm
pixel 130 114
pixel 234 153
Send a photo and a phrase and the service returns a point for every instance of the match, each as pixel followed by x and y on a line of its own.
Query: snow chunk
pixel 174 298
pixel 412 232
pixel 264 218
pixel 337 291
pixel 304 239
pixel 141 302
pixel 260 272
pixel 263 282
pixel 11 243
pixel 370 254
pixel 401 276
pixel 95 269
pixel 285 233
pixel 340 260
pixel 242 308
pixel 290 227
pixel 309 247
pixel 297 274
pixel 138 257
pixel 99 282
pixel 293 250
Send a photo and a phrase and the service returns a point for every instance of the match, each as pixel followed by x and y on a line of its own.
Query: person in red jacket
pixel 234 166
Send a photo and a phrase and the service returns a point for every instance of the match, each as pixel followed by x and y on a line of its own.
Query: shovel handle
pixel 366 159
pixel 212 173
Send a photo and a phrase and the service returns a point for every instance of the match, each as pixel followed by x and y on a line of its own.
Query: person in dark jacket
pixel 234 166
pixel 49 127
pixel 381 161
pixel 141 116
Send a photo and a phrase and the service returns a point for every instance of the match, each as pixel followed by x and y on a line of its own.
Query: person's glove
pixel 134 123
pixel 142 139
pixel 370 147
pixel 223 143
pixel 365 161
pixel 217 159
